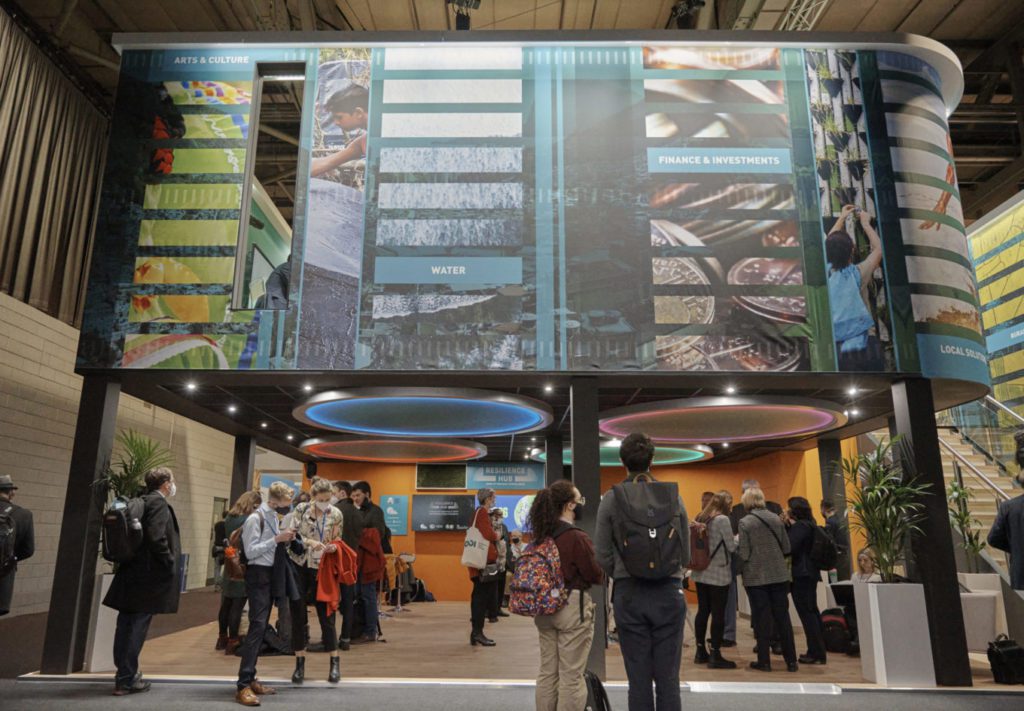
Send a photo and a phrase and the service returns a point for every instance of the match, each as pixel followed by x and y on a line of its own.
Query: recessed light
pixel 232 409
pixel 852 390
pixel 846 413
pixel 731 390
pixel 725 445
pixel 614 443
pixel 854 412
pixel 533 439
pixel 526 456
pixel 190 386
pixel 289 438
pixel 549 388
pixel 263 425
pixel 308 388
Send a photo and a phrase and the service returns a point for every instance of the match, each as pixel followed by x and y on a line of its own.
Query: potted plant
pixel 125 477
pixel 964 523
pixel 885 505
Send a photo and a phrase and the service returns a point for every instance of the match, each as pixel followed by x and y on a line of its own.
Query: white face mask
pixel 334 500
pixel 323 505
pixel 173 491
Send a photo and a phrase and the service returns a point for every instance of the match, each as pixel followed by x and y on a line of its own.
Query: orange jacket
pixel 372 562
pixel 336 569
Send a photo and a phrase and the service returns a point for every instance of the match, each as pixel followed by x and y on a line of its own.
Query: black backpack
pixel 8 560
pixel 824 551
pixel 650 536
pixel 122 529
pixel 836 631
pixel 1006 658
pixel 597 698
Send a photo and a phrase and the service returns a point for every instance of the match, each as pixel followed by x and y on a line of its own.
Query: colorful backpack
pixel 538 587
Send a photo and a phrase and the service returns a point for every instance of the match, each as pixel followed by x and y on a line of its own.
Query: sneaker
pixel 138 685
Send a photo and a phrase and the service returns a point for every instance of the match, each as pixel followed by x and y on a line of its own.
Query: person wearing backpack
pixel 643 544
pixel 806 575
pixel 566 635
pixel 713 580
pixel 763 549
pixel 147 584
pixel 317 525
pixel 232 589
pixel 17 540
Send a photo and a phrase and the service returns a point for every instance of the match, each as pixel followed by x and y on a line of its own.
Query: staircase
pixel 984 501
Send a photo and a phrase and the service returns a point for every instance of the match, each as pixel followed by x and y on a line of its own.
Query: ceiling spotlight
pixel 191 386
pixel 308 388
pixel 846 413
pixel 232 409
pixel 526 456
pixel 263 425
pixel 725 445
pixel 549 388
pixel 614 443
pixel 730 390
pixel 852 391
pixel 854 412
pixel 289 437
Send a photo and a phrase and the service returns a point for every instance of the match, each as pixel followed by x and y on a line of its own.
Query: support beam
pixel 933 547
pixel 74 574
pixel 586 475
pixel 242 466
pixel 554 468
pixel 997 189
pixel 280 135
pixel 1015 69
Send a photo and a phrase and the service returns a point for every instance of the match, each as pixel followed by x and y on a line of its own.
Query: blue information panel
pixel 517 511
pixel 396 514
pixel 505 476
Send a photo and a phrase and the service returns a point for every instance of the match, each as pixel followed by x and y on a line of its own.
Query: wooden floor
pixel 431 641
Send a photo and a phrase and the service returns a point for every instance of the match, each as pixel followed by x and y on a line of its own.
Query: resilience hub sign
pixel 478 207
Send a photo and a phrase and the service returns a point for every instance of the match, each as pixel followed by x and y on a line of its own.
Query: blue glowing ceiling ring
pixel 424 412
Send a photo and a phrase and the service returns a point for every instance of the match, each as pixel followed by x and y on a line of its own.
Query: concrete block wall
pixel 39 395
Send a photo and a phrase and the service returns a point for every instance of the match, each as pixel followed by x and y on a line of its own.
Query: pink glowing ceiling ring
pixel 724 419
pixel 390 450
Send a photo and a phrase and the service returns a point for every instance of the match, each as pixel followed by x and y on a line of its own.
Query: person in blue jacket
pixel 856 347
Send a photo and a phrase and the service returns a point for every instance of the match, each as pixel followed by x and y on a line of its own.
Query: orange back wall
pixel 438 555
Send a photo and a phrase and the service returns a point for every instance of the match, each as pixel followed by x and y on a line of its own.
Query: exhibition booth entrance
pixel 436 263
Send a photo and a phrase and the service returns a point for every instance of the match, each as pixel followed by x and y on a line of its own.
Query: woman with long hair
pixel 232 592
pixel 713 582
pixel 565 636
pixel 806 576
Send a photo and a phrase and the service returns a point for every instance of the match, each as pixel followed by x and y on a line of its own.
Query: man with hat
pixel 17 540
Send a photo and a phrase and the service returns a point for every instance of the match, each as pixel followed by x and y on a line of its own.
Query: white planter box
pixel 99 649
pixel 895 649
pixel 987 582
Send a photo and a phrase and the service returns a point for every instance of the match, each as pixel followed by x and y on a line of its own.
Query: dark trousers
pixel 711 602
pixel 805 599
pixel 229 618
pixel 480 602
pixel 129 637
pixel 649 618
pixel 368 594
pixel 501 590
pixel 769 611
pixel 348 602
pixel 306 577
pixel 499 595
pixel 257 587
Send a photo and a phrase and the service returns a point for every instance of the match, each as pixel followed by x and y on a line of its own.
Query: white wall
pixel 39 395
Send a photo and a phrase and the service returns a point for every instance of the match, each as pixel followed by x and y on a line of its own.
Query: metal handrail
pixel 1004 408
pixel 977 472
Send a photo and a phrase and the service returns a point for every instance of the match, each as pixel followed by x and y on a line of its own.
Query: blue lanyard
pixel 274 525
pixel 321 527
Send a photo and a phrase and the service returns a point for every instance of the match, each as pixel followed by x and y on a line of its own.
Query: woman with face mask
pixel 565 636
pixel 317 524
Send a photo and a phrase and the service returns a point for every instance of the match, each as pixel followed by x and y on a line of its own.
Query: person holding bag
pixel 565 636
pixel 478 552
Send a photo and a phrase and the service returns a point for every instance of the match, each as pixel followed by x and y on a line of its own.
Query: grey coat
pixel 763 548
pixel 722 546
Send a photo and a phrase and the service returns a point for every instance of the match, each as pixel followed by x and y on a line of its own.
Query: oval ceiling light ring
pixel 663 455
pixel 424 412
pixel 724 419
pixel 388 450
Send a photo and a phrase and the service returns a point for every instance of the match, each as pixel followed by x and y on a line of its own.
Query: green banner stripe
pixel 950 292
pixel 930 181
pixel 916 250
pixel 896 75
pixel 948 329
pixel 906 110
pixel 913 213
pixel 919 145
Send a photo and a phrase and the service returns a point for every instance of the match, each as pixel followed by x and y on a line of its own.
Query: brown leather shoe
pixel 232 645
pixel 261 690
pixel 247 697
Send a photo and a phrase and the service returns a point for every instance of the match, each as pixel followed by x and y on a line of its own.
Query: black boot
pixel 478 638
pixel 335 675
pixel 300 670
pixel 718 662
pixel 702 655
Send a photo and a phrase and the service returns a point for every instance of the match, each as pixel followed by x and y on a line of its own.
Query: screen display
pixel 442 512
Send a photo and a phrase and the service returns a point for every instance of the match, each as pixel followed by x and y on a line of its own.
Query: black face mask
pixel 577 513
pixel 515 540
pixel 283 510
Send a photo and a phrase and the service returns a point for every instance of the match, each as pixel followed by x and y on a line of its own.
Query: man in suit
pixel 1007 534
pixel 836 528
pixel 148 584
pixel 24 538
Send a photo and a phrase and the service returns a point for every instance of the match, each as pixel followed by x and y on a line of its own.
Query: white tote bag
pixel 474 550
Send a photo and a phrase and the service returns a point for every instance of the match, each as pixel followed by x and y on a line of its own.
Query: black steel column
pixel 554 467
pixel 833 486
pixel 242 466
pixel 586 475
pixel 74 574
pixel 933 547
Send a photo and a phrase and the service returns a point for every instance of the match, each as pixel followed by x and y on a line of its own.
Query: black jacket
pixel 738 512
pixel 1007 534
pixel 151 581
pixel 373 515
pixel 24 547
pixel 801 538
pixel 835 527
pixel 351 524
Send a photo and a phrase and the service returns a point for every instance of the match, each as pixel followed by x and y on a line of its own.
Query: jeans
pixel 480 601
pixel 306 578
pixel 649 618
pixel 711 602
pixel 769 611
pixel 229 619
pixel 565 639
pixel 129 637
pixel 368 594
pixel 805 599
pixel 348 601
pixel 257 587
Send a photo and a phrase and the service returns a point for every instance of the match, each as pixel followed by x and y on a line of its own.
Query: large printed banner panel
pixel 559 208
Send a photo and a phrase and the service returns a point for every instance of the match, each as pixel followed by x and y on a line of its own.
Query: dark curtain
pixel 52 145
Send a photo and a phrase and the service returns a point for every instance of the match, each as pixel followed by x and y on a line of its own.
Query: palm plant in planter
pixel 126 477
pixel 964 523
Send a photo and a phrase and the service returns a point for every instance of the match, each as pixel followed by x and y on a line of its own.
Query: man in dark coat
pixel 148 584
pixel 24 538
pixel 371 516
pixel 1007 534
